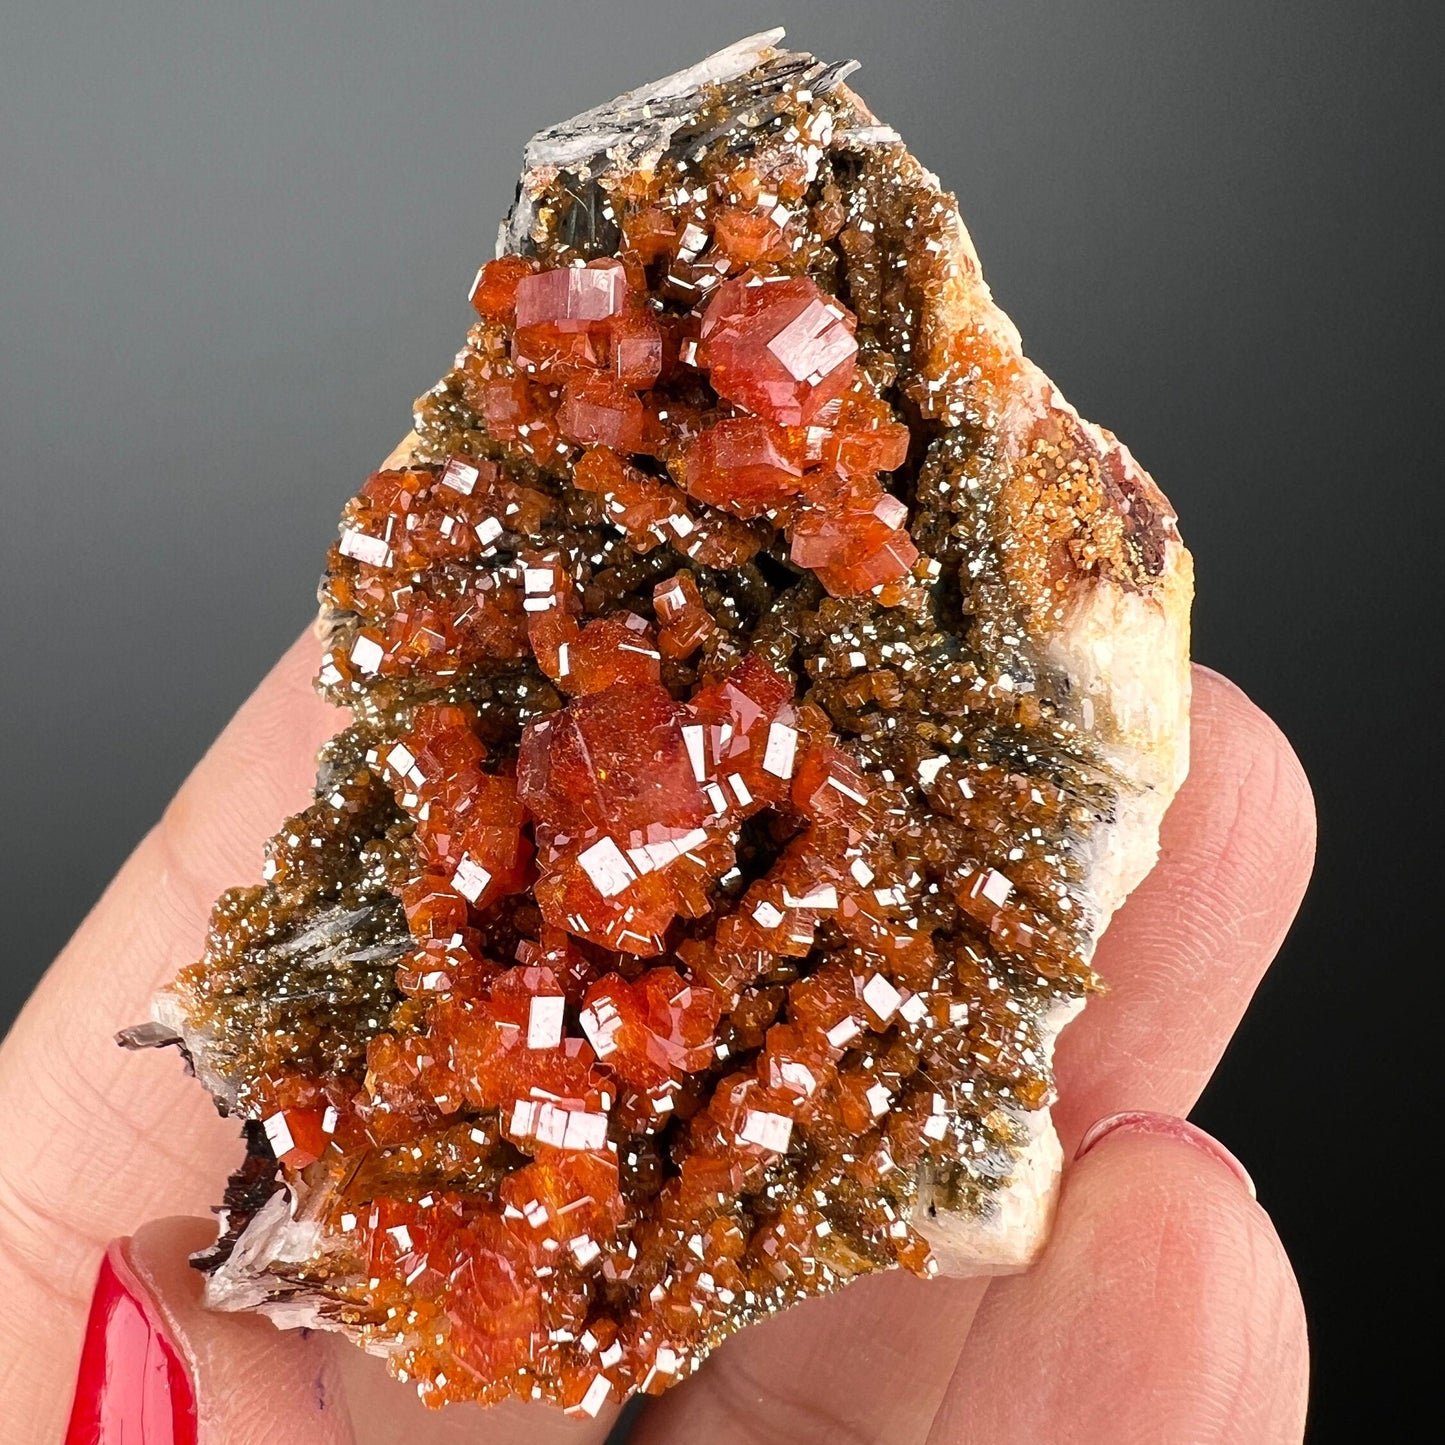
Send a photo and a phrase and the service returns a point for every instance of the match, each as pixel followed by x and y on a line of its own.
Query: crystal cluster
pixel 682 925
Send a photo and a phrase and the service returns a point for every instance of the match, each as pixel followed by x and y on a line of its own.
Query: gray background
pixel 237 239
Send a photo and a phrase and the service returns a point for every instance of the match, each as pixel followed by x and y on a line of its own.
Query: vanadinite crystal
pixel 764 686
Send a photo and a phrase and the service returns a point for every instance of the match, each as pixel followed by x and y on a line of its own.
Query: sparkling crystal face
pixel 778 347
pixel 702 865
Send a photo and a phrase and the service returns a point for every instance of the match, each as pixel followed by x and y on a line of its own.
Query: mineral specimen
pixel 764 688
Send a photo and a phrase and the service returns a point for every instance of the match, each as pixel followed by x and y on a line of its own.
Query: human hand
pixel 1164 1309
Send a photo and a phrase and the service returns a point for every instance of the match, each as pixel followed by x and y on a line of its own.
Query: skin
pixel 1163 1311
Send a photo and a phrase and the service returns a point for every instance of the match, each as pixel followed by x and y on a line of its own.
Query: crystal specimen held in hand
pixel 764 687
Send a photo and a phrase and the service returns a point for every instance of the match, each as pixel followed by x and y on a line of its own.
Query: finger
pixel 870 1363
pixel 155 1356
pixel 159 1367
pixel 1234 856
pixel 1163 1310
pixel 122 1138
pixel 1183 957
pixel 93 1141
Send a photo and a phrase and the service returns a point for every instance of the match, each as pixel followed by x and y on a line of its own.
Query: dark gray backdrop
pixel 237 239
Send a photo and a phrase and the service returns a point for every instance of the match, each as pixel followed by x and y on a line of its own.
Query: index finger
pixel 91 1145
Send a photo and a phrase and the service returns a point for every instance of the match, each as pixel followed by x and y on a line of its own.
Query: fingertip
pixel 1162 1237
pixel 1183 956
pixel 260 769
pixel 1164 1308
pixel 160 1251
pixel 253 1383
pixel 1142 1121
pixel 1145 1175
pixel 1242 743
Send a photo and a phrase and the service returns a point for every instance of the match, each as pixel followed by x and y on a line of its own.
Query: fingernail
pixel 1139 1121
pixel 134 1387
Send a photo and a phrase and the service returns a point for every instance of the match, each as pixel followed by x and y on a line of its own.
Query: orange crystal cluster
pixel 683 892
pixel 578 364
pixel 793 433
pixel 633 803
pixel 413 537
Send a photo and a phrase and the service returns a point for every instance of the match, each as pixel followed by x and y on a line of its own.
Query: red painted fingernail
pixel 1139 1121
pixel 133 1387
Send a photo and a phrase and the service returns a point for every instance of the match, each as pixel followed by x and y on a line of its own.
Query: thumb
pixel 158 1367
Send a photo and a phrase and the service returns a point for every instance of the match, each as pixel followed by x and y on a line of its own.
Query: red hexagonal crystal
pixel 469 824
pixel 650 511
pixel 686 622
pixel 745 464
pixel 744 738
pixel 613 762
pixel 652 1032
pixel 864 439
pixel 571 299
pixel 637 348
pixel 494 292
pixel 854 537
pixel 563 316
pixel 598 408
pixel 778 347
